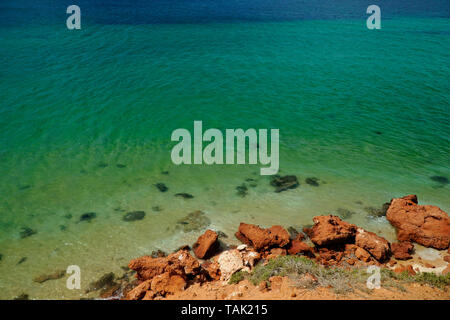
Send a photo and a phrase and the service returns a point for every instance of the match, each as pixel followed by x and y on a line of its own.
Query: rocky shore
pixel 313 258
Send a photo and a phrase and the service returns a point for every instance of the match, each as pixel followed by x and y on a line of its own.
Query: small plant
pixel 238 277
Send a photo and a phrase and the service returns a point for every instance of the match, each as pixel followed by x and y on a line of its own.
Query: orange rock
pixel 276 252
pixel 392 263
pixel 425 224
pixel 180 262
pixel 212 269
pixel 330 229
pixel 362 254
pixel 139 292
pixel 447 258
pixel 297 246
pixel 428 265
pixel 167 283
pixel 401 250
pixel 408 268
pixel 375 245
pixel 446 270
pixel 262 239
pixel 206 245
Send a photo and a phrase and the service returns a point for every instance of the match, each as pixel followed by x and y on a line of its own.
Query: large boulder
pixel 329 230
pixel 262 239
pixel 402 250
pixel 425 224
pixel 377 246
pixel 206 245
pixel 180 263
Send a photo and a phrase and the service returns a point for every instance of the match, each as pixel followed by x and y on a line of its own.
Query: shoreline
pixel 327 261
pixel 190 225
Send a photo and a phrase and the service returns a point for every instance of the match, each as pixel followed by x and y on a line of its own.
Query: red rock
pixel 212 269
pixel 167 283
pixel 428 265
pixel 328 230
pixel 392 263
pixel 375 245
pixel 408 268
pixel 446 270
pixel 329 257
pixel 276 252
pixel 180 262
pixel 206 245
pixel 139 292
pixel 401 250
pixel 362 254
pixel 262 239
pixel 447 258
pixel 297 246
pixel 425 224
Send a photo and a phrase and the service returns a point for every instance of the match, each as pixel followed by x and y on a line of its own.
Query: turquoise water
pixel 366 112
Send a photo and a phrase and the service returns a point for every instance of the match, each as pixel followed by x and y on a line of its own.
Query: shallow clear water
pixel 366 112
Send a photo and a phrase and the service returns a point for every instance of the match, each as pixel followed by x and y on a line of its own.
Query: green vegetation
pixel 238 277
pixel 438 281
pixel 305 273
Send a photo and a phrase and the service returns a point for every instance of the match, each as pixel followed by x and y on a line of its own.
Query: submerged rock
pixel 22 260
pixel 377 212
pixel 158 254
pixel 222 234
pixel 88 216
pixel 102 165
pixel 284 183
pixel 194 221
pixel 24 187
pixel 104 284
pixel 313 181
pixel 27 232
pixel 293 233
pixel 53 276
pixel 206 245
pixel 22 296
pixel 156 208
pixel 242 190
pixel 161 187
pixel 133 216
pixel 1 257
pixel 344 213
pixel 425 224
pixel 120 166
pixel 184 195
pixel 440 179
